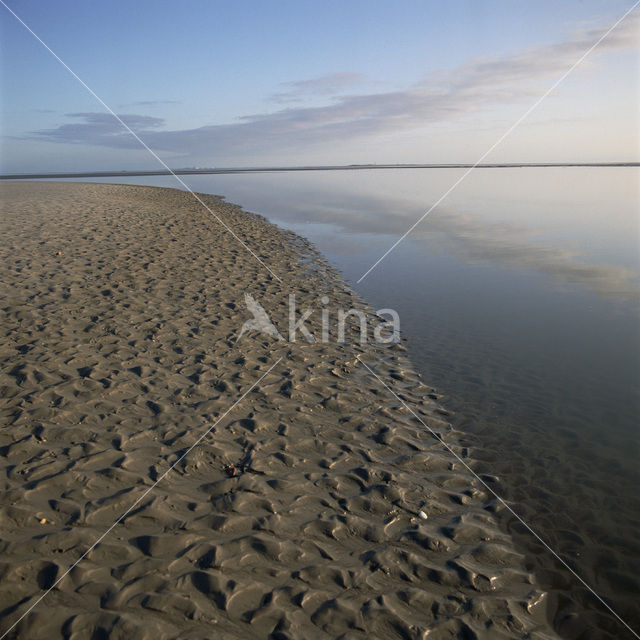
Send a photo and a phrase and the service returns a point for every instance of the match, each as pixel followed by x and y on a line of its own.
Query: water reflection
pixel 540 240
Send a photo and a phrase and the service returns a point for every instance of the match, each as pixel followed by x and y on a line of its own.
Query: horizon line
pixel 114 173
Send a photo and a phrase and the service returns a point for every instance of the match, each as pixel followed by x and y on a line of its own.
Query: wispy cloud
pixel 150 103
pixel 332 85
pixel 475 86
pixel 539 62
pixel 100 129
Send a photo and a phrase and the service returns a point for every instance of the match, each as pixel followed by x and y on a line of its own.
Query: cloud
pixel 150 103
pixel 100 129
pixel 477 85
pixel 556 58
pixel 327 85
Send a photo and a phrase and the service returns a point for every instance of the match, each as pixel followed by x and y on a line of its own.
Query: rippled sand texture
pixel 121 307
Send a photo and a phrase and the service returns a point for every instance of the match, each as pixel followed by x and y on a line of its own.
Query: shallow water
pixel 520 296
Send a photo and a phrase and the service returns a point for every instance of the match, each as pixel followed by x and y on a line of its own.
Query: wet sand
pixel 297 516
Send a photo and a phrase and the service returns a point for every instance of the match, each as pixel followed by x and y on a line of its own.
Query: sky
pixel 252 83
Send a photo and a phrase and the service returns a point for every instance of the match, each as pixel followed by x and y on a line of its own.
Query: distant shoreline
pixel 350 167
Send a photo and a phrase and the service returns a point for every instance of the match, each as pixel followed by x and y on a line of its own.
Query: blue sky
pixel 208 83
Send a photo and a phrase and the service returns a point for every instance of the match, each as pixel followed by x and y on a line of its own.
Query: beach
pixel 272 489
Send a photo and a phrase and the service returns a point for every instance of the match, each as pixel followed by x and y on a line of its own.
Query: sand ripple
pixel 121 306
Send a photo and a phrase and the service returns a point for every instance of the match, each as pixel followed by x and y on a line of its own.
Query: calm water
pixel 520 298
